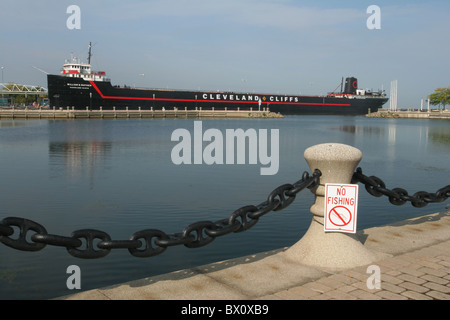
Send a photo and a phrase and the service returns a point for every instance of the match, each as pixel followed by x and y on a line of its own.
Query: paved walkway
pixel 418 275
pixel 413 263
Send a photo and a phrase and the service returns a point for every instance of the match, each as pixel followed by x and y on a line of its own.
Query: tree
pixel 440 96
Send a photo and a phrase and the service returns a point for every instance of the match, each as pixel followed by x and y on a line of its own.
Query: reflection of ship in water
pixel 75 157
pixel 78 148
pixel 361 129
pixel 354 133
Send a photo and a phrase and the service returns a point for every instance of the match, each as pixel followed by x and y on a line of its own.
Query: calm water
pixel 117 176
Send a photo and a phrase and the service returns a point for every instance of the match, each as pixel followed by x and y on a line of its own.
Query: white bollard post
pixel 330 250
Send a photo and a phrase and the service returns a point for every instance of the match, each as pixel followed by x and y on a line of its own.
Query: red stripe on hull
pixel 211 101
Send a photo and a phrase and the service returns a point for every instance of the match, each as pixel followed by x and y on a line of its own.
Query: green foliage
pixel 440 96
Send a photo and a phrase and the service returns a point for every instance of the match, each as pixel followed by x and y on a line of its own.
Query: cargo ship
pixel 79 87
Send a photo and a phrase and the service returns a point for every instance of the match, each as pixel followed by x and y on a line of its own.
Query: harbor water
pixel 118 176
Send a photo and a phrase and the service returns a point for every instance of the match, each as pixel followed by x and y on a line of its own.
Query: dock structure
pixel 71 113
pixel 410 114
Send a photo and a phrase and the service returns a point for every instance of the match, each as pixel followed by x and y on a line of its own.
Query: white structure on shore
pixel 393 96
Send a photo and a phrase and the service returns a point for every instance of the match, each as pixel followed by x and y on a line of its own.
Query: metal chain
pixel 151 242
pixel 398 196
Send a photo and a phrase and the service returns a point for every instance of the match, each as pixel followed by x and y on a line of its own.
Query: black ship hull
pixel 76 93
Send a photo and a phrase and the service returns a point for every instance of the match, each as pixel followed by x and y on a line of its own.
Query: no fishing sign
pixel 341 207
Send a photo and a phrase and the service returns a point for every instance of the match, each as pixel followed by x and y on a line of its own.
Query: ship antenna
pixel 89 54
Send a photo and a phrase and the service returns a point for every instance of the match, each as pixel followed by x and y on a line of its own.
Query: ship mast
pixel 89 53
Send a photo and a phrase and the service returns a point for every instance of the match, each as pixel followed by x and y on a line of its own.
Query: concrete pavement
pixel 413 260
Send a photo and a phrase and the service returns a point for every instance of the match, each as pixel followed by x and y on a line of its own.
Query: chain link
pixel 151 242
pixel 398 196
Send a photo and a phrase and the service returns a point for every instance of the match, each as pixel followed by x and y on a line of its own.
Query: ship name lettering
pixel 283 99
pixel 230 97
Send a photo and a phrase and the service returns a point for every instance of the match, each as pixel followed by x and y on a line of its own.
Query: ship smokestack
pixel 351 84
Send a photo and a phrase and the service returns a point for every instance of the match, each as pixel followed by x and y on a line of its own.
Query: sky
pixel 260 46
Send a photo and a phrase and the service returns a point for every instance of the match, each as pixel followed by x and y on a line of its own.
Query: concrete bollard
pixel 331 250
